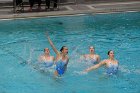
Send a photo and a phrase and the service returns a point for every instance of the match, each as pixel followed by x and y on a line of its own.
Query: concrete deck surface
pixel 79 8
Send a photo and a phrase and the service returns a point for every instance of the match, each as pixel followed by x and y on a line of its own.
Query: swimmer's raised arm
pixel 95 66
pixel 52 45
pixel 84 56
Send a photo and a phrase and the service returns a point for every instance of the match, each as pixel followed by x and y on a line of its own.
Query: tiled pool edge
pixel 21 16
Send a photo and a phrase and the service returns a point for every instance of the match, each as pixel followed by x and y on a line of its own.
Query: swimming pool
pixel 23 40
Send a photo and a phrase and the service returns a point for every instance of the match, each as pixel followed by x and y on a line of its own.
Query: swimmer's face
pixel 91 49
pixel 47 51
pixel 65 50
pixel 111 54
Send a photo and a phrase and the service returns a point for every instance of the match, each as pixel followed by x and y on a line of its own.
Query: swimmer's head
pixel 64 50
pixel 111 53
pixel 91 49
pixel 46 51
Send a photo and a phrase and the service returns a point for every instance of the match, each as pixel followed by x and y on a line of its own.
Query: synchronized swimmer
pixel 91 57
pixel 61 60
pixel 46 59
pixel 110 63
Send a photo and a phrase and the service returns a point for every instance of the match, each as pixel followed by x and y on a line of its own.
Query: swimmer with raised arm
pixel 61 58
pixel 92 57
pixel 110 63
pixel 46 59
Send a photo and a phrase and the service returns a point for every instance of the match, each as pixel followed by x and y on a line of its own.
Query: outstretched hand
pixel 86 70
pixel 51 43
pixel 47 34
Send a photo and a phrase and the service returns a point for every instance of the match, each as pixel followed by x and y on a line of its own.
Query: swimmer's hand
pixel 47 34
pixel 86 70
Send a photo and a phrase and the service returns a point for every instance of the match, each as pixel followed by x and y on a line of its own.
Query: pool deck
pixel 79 8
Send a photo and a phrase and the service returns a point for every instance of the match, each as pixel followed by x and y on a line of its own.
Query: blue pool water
pixel 23 40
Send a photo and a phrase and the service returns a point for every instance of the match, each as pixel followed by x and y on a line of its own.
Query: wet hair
pixel 45 49
pixel 109 52
pixel 92 46
pixel 62 48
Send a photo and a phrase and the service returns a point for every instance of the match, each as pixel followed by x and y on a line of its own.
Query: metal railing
pixel 18 5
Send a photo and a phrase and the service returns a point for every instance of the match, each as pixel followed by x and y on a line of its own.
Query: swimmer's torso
pixel 112 67
pixel 92 59
pixel 47 62
pixel 61 65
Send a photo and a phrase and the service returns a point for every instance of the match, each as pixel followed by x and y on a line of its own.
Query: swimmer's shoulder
pixel 52 58
pixel 67 57
pixel 97 55
pixel 86 55
pixel 105 61
pixel 116 61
